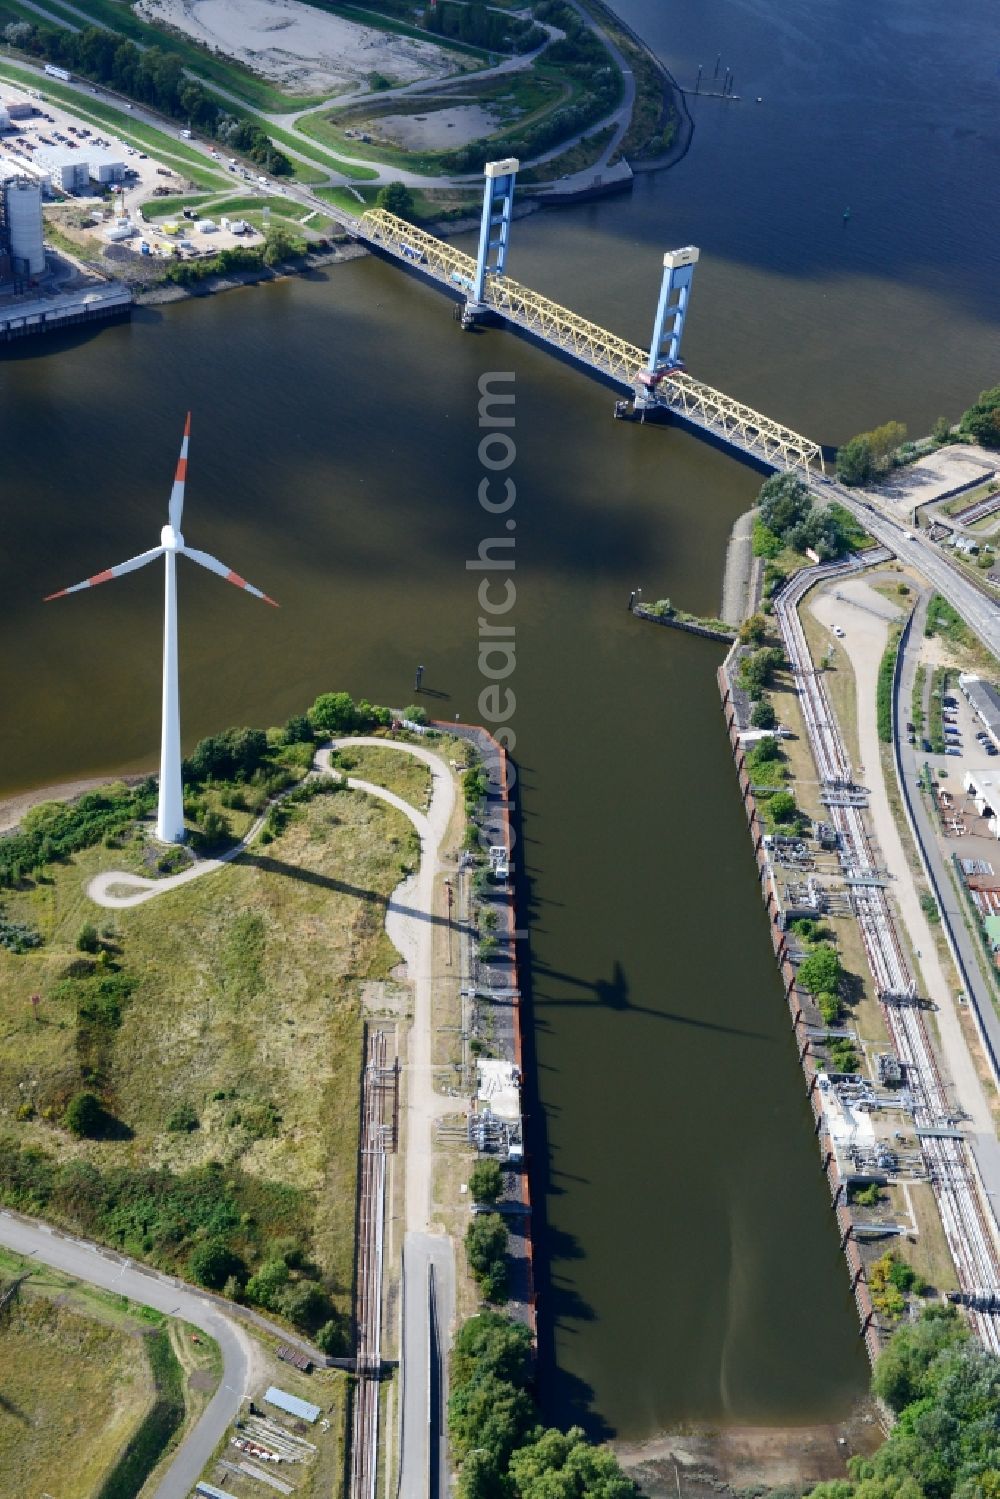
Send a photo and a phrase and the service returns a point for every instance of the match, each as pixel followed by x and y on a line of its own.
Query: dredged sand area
pixel 303 50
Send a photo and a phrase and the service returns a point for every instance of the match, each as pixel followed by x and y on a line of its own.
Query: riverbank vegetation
pixel 981 421
pixel 788 519
pixel 180 1079
pixel 279 247
pixel 503 1450
pixel 869 456
pixel 944 1389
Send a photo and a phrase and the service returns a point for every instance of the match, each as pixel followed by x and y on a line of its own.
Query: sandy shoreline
pixel 13 808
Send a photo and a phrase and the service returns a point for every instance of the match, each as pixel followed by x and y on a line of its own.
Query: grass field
pixel 404 774
pixel 211 207
pixel 60 1434
pixel 245 1009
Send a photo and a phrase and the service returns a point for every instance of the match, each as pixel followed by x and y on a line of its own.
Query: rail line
pixel 949 1168
pixel 376 1136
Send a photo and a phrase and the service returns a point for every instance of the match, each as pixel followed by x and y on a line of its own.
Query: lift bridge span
pixel 620 363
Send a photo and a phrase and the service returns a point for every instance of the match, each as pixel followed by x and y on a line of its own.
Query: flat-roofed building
pixel 984 700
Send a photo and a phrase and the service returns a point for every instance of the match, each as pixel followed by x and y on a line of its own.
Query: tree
pixel 486 1180
pixel 491 1343
pixel 486 1250
pixel 281 244
pixel 982 420
pixel 85 1116
pixel 941 431
pixel 307 1304
pixel 298 730
pixel 753 630
pixel 211 1264
pixel 492 1415
pixel 784 500
pixel 763 715
pixel 264 1288
pixel 333 713
pixel 87 938
pixel 821 972
pixel 902 1372
pixel 332 1336
pixel 766 750
pixel 564 1465
pixel 396 198
pixel 782 808
pixel 855 461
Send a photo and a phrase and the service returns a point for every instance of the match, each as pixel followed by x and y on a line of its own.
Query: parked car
pixel 950 702
pixel 991 749
pixel 951 750
pixel 925 745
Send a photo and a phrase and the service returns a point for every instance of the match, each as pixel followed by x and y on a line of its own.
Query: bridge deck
pixel 730 421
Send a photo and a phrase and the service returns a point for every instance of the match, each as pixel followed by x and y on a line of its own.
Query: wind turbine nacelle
pixel 171 540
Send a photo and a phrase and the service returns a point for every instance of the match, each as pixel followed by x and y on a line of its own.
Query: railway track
pixel 376 1137
pixel 947 1160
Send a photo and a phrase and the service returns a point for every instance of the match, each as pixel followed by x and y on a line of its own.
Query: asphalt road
pixel 423 1466
pixel 112 1273
pixel 913 548
pixel 960 940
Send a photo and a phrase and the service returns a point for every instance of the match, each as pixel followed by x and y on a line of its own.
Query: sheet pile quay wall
pixel 870 1330
pixel 947 1160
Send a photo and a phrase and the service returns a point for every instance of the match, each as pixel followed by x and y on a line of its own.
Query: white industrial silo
pixel 24 224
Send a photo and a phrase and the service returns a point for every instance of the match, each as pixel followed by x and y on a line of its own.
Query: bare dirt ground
pixel 936 475
pixel 304 50
pixel 686 1465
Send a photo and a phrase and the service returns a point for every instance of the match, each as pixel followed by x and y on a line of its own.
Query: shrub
pixel 829 1007
pixel 265 1288
pixel 87 939
pixel 213 1263
pixel 85 1116
pixel 182 1119
pixel 395 198
pixel 415 714
pixel 763 715
pixel 307 1304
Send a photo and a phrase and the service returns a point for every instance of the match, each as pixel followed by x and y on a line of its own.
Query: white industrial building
pixel 22 249
pixel 984 700
pixel 984 788
pixel 105 167
pixel 68 171
pixel 73 171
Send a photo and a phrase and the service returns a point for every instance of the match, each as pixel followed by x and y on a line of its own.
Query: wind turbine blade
pixel 109 573
pixel 177 493
pixel 215 566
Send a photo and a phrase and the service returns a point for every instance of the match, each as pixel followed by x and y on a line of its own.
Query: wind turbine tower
pixel 170 811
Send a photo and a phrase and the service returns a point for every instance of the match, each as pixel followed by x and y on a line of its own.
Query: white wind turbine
pixel 170 813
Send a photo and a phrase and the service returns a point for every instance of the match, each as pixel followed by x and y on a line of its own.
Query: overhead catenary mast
pixel 170 810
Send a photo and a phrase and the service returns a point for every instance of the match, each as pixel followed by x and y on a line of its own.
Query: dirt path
pixel 864 615
pixel 410 924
